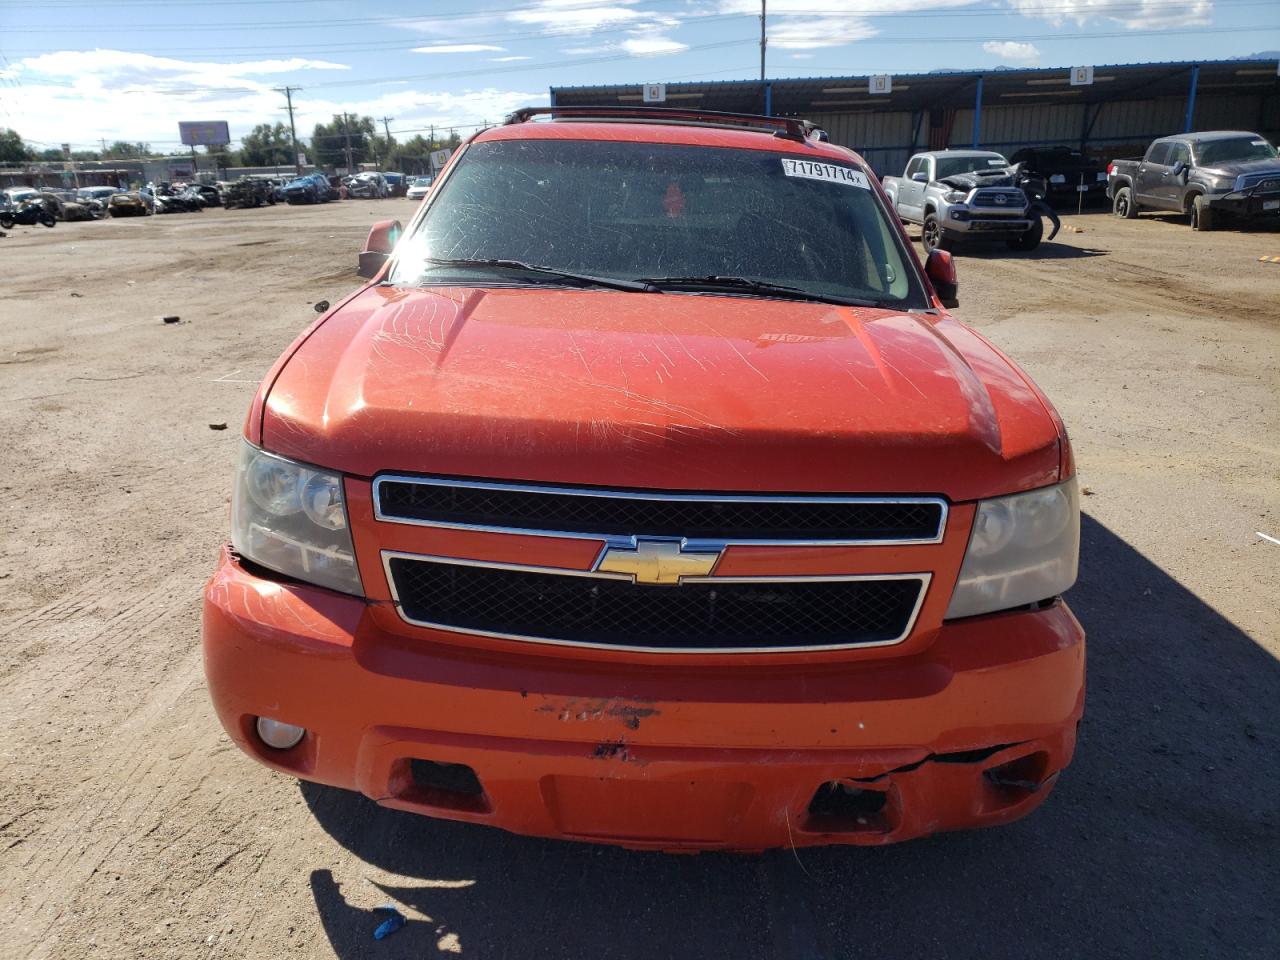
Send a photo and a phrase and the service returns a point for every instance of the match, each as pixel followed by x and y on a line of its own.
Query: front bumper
pixel 649 752
pixel 960 219
pixel 1247 204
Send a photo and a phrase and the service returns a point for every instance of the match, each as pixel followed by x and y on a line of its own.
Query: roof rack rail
pixel 790 128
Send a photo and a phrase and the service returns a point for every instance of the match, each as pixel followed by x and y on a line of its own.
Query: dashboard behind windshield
pixel 626 210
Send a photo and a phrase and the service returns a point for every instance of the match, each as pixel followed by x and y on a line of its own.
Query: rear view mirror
pixel 941 271
pixel 383 237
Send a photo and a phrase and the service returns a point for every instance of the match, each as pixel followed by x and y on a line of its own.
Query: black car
pixel 210 195
pixel 1065 171
pixel 173 198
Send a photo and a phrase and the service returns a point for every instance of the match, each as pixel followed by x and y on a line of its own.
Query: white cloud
pixel 813 24
pixel 459 48
pixel 578 16
pixel 652 46
pixel 1146 15
pixel 798 33
pixel 506 59
pixel 803 56
pixel 113 95
pixel 1012 50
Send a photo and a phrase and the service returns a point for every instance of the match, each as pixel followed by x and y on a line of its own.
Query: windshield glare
pixel 952 166
pixel 1231 151
pixel 633 210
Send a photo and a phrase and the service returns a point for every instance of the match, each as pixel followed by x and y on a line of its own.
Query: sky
pixel 80 71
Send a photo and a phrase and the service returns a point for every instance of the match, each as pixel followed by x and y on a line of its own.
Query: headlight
pixel 955 196
pixel 1023 548
pixel 293 519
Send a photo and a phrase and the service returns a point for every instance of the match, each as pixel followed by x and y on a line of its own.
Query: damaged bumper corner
pixel 972 732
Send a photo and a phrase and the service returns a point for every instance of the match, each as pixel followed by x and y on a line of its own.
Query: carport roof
pixel 916 91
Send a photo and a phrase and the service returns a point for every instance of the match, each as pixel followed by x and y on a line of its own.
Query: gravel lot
pixel 130 827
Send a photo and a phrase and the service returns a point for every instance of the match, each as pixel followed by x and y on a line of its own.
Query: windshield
pixel 1233 150
pixel 951 166
pixel 626 211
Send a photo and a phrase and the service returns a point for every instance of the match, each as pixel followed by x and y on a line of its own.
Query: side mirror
pixel 920 177
pixel 377 249
pixel 941 271
pixel 1179 169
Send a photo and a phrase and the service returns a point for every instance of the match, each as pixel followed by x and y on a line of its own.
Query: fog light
pixel 281 736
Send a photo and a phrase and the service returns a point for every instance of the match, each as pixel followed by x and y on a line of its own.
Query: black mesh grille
pixel 619 613
pixel 554 510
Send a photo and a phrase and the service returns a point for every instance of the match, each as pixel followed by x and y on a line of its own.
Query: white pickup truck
pixel 956 194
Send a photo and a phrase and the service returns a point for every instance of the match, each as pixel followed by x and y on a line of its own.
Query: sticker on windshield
pixel 996 162
pixel 811 170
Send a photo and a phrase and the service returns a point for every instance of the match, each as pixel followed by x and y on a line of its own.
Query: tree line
pixel 269 145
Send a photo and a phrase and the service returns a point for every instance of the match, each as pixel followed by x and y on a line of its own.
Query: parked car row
pixel 48 205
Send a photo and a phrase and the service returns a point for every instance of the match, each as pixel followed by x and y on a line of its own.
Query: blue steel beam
pixel 1191 98
pixel 977 115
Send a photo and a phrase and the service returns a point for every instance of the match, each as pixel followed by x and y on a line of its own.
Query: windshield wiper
pixel 612 283
pixel 717 283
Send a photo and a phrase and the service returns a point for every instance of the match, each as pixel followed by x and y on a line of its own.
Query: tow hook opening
pixel 841 806
pixel 433 783
pixel 1018 779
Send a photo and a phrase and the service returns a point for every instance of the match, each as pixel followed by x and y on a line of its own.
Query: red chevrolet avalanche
pixel 649 495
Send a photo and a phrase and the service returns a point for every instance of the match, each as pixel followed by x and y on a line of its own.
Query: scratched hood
pixel 666 391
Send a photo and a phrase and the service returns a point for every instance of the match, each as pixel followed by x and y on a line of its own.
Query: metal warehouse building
pixel 1118 114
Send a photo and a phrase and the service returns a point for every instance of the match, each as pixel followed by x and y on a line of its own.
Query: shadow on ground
pixel 1160 840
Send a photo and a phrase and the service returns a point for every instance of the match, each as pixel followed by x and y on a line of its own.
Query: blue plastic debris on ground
pixel 389 925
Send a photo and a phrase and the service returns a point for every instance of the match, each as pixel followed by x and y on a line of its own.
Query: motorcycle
pixel 28 213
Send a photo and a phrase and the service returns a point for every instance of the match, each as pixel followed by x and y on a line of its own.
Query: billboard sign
pixel 204 133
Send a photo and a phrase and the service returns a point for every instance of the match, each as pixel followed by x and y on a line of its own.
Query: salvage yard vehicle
pixel 131 203
pixel 420 187
pixel 66 206
pixel 101 196
pixel 250 192
pixel 649 495
pixel 1211 178
pixel 368 186
pixel 208 195
pixel 28 211
pixel 173 198
pixel 957 195
pixel 312 188
pixel 1065 171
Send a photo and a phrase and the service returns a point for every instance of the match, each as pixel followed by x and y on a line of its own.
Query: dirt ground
pixel 130 826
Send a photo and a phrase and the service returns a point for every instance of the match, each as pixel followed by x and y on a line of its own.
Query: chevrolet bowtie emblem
pixel 657 561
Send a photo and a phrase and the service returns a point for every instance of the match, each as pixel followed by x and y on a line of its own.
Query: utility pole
pixel 764 39
pixel 293 133
pixel 387 130
pixel 346 132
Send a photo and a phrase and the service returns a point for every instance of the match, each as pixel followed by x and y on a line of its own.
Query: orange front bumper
pixel 668 755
